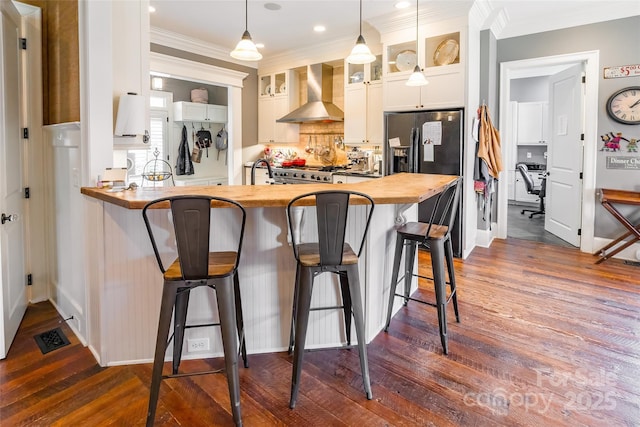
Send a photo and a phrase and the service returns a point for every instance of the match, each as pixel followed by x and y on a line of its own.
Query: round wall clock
pixel 624 105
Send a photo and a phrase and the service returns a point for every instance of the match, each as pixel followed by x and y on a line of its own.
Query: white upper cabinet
pixel 196 112
pixel 363 123
pixel 439 57
pixel 277 97
pixel 532 123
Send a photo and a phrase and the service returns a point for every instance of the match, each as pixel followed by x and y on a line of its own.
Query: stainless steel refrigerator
pixel 427 142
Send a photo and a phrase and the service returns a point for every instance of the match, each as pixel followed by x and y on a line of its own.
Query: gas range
pixel 303 175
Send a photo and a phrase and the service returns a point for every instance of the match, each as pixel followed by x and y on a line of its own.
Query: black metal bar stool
pixel 331 253
pixel 436 237
pixel 195 267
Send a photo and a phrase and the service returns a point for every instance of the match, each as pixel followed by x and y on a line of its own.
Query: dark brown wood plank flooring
pixel 547 338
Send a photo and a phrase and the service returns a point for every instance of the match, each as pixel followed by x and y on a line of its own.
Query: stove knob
pixel 326 178
pixel 319 178
pixel 303 176
pixel 313 177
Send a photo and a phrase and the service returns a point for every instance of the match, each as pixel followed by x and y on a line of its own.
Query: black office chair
pixel 197 266
pixel 532 189
pixel 436 237
pixel 331 254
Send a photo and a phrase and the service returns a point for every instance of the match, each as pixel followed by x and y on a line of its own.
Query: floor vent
pixel 51 340
pixel 634 263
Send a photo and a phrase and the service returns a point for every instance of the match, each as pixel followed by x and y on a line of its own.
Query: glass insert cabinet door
pixel 273 84
pixel 364 73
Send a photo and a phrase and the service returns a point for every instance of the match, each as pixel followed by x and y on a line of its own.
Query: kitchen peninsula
pixel 126 283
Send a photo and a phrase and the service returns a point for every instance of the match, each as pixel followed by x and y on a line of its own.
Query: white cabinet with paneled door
pixel 261 176
pixel 196 112
pixel 277 97
pixel 363 122
pixel 201 181
pixel 532 123
pixel 445 90
pixel 350 179
pixel 511 187
pixel 440 55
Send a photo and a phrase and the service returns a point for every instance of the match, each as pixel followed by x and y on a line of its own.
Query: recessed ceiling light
pixel 402 4
pixel 152 9
pixel 272 6
pixel 319 28
pixel 259 45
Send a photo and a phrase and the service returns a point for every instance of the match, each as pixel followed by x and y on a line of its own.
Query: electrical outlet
pixel 197 344
pixel 528 155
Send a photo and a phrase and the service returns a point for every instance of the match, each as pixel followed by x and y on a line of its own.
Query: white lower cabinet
pixel 349 179
pixel 200 181
pixel 262 176
pixel 511 188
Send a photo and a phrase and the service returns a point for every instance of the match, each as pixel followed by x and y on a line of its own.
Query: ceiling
pixel 221 22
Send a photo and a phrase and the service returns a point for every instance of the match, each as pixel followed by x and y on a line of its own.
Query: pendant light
pixel 360 54
pixel 417 78
pixel 245 49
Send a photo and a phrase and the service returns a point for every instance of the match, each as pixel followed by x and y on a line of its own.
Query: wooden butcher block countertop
pixel 394 189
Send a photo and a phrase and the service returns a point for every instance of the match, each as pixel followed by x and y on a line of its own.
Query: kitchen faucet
pixel 253 169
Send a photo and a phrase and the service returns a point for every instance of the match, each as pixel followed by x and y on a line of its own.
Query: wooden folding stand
pixel 607 199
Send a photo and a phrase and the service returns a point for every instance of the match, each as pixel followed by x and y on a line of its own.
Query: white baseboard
pixel 632 253
pixel 72 325
pixel 484 238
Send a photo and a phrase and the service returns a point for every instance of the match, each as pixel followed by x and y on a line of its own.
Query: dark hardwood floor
pixel 547 338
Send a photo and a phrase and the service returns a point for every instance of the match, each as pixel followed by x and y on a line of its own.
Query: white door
pixel 565 155
pixel 12 279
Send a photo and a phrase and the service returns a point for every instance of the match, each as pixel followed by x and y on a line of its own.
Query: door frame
pixel 33 222
pixel 539 67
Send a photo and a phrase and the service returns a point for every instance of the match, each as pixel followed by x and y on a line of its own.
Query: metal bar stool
pixel 196 266
pixel 436 237
pixel 329 254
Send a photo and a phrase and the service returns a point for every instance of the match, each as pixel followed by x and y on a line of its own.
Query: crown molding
pixel 199 47
pixel 174 67
pixel 333 50
pixel 499 23
pixel 479 13
pixel 406 19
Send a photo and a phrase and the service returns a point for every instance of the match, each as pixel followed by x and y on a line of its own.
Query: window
pixel 137 160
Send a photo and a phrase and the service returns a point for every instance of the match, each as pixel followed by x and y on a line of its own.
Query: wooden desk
pixel 608 198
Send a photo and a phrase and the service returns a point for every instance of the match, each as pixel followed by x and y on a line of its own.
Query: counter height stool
pixel 197 266
pixel 436 237
pixel 329 254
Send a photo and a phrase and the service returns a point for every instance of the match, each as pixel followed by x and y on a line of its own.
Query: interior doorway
pixel 548 66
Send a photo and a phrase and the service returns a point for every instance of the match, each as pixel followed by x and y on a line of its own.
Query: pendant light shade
pixel 361 54
pixel 245 49
pixel 417 78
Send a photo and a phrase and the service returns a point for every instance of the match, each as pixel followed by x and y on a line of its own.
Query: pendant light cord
pixel 246 15
pixel 417 1
pixel 360 17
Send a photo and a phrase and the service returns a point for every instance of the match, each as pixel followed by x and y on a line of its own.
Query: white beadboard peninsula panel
pixel 131 290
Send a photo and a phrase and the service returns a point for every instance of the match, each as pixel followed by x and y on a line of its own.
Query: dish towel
pixel 184 166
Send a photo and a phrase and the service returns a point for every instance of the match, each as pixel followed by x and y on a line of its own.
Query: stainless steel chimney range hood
pixel 319 106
